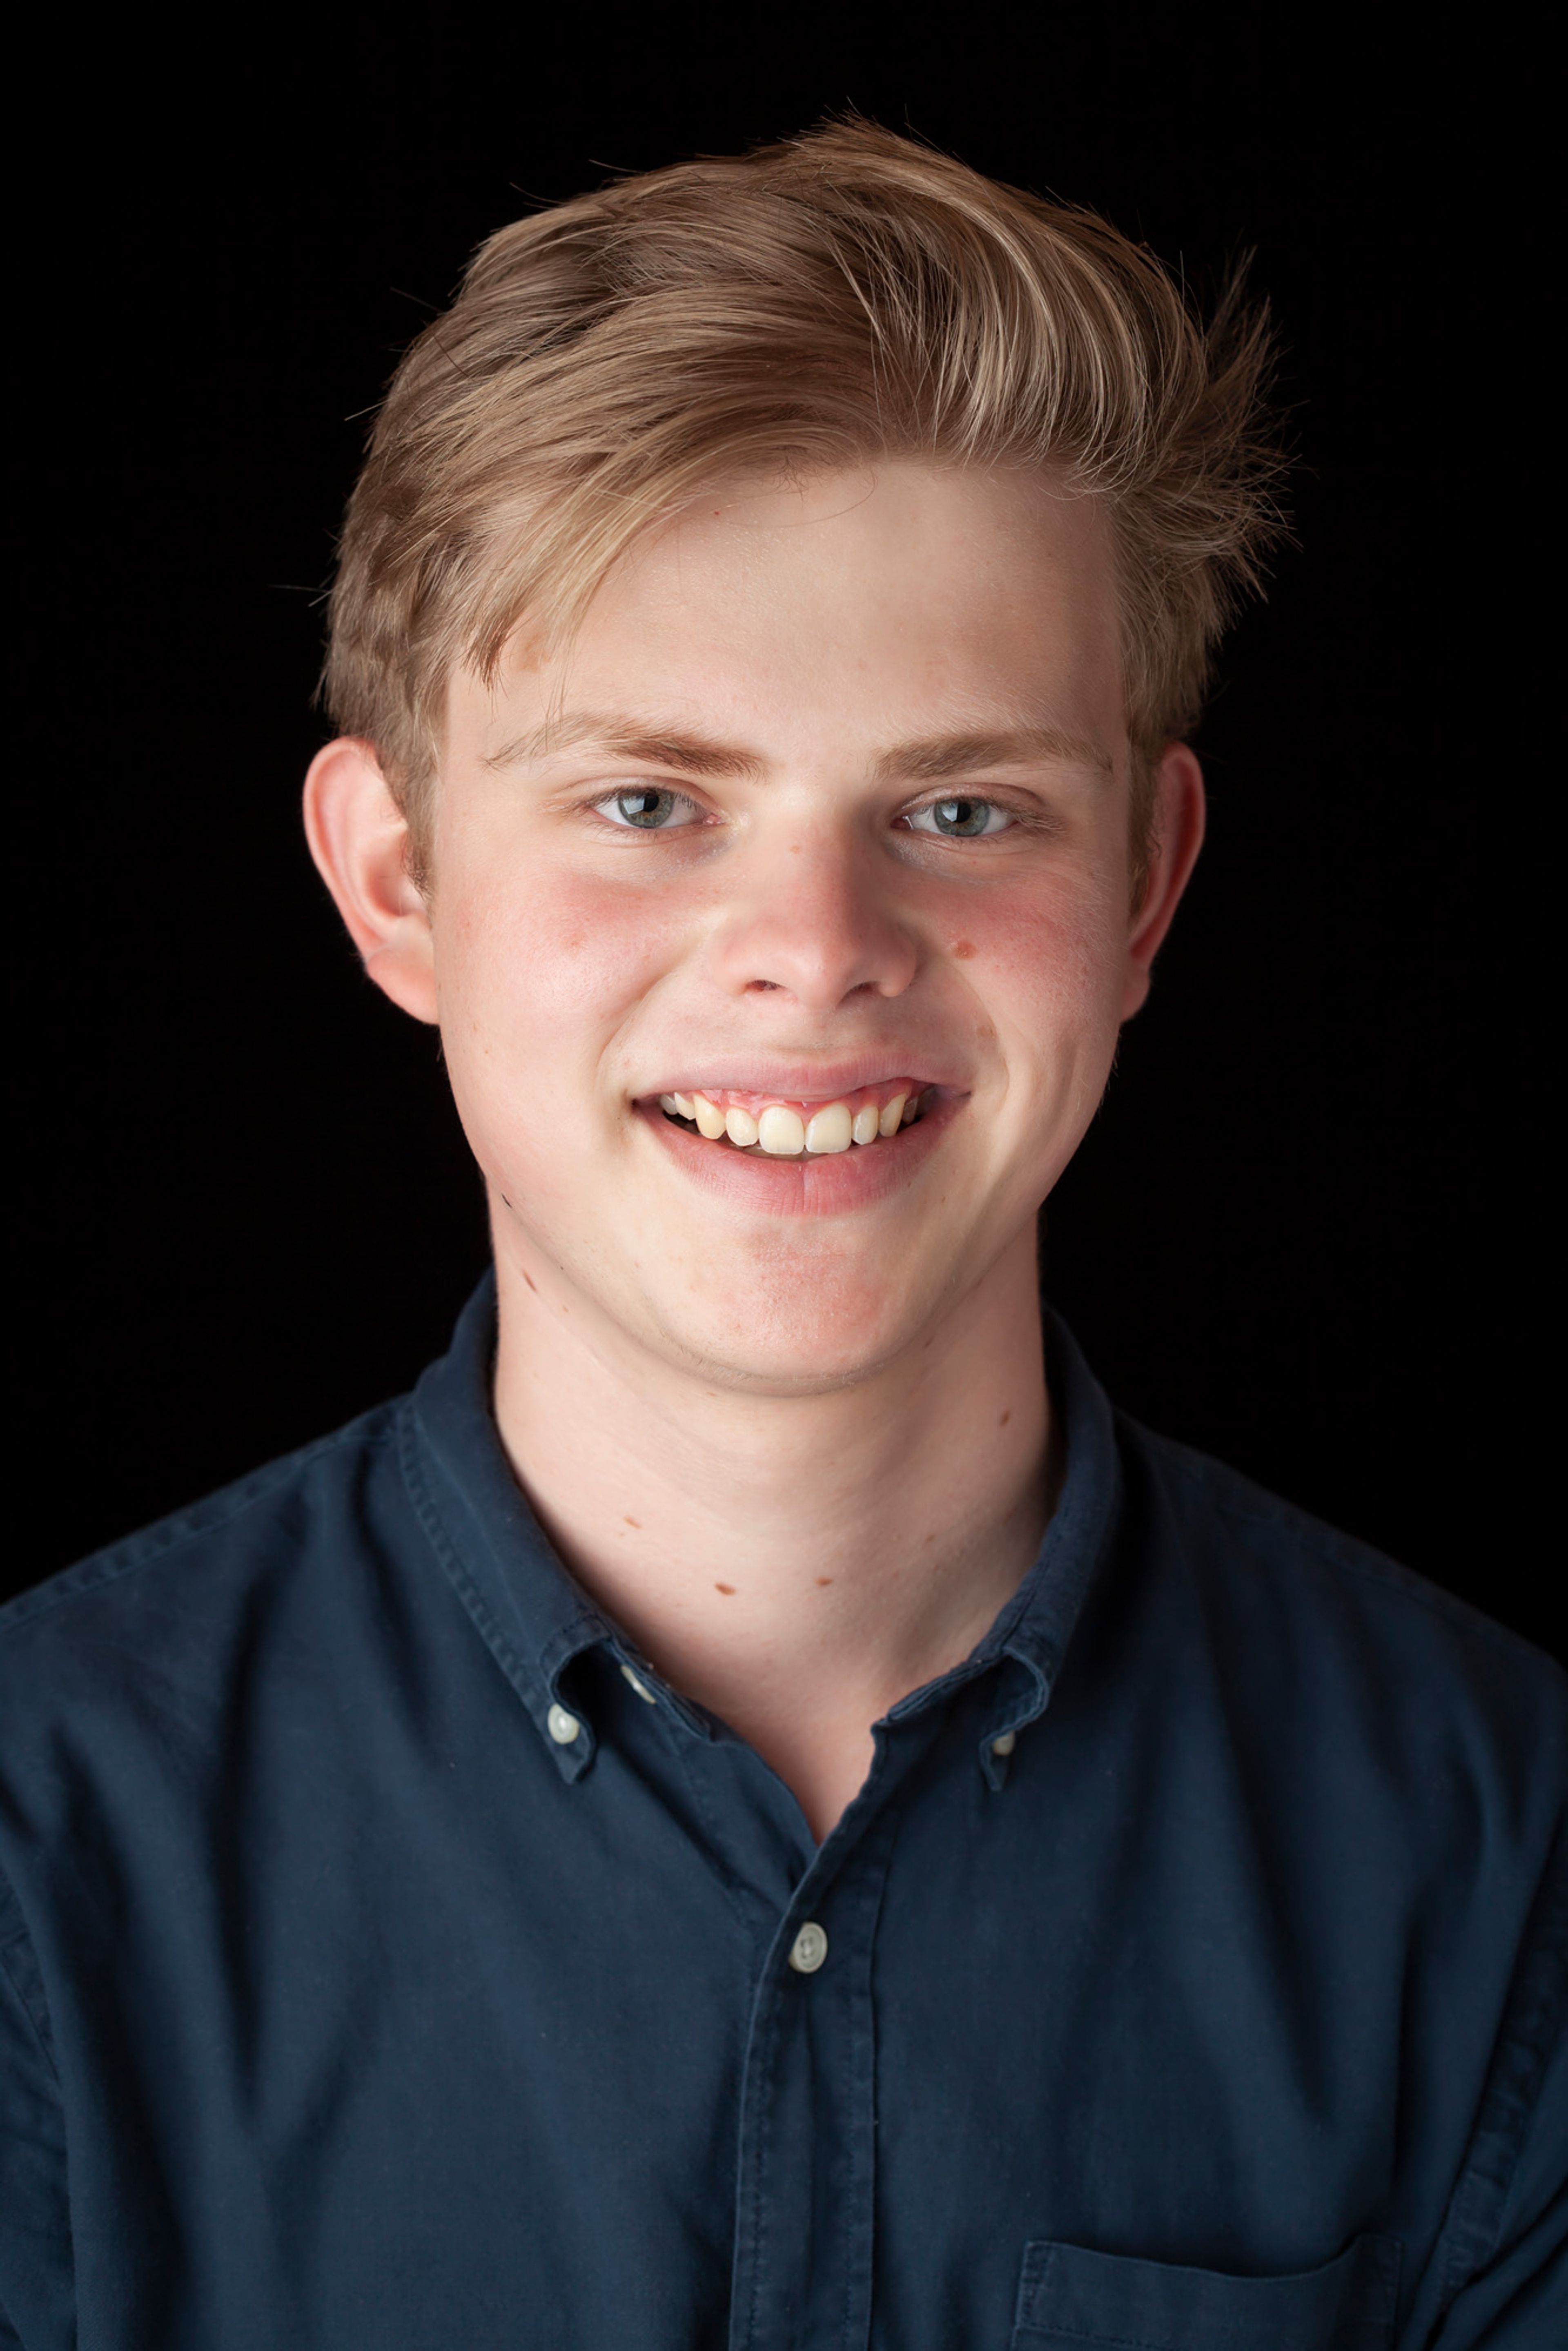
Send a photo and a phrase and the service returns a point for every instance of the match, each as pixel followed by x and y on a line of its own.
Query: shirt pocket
pixel 1070 2299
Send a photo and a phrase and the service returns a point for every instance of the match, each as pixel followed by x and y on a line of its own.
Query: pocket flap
pixel 1070 2297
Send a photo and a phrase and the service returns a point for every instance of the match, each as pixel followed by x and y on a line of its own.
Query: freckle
pixel 728 1590
pixel 824 1581
pixel 1005 1417
pixel 963 949
pixel 635 1523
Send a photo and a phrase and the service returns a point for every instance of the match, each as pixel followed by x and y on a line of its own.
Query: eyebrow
pixel 930 759
pixel 937 757
pixel 624 739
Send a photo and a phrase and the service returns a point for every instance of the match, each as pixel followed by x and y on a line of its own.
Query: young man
pixel 752 1810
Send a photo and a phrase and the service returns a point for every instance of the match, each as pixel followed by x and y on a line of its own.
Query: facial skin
pixel 809 671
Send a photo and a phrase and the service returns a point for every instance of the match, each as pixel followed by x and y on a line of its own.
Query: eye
pixel 647 808
pixel 959 819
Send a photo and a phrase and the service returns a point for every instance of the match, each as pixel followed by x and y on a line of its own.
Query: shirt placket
pixel 806 2182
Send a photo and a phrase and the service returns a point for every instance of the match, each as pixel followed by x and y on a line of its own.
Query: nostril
pixel 761 986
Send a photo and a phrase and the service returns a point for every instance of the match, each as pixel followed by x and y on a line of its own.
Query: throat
pixel 795 1564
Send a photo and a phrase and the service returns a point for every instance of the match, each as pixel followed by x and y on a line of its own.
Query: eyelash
pixel 1019 819
pixel 603 800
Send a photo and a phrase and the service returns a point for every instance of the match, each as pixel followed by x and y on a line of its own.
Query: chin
pixel 796 1338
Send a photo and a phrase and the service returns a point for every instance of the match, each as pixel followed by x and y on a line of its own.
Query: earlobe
pixel 1177 836
pixel 359 839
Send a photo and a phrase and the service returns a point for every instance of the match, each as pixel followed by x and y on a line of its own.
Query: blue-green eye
pixel 961 820
pixel 647 808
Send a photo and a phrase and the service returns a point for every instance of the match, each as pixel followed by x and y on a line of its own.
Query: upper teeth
pixel 784 1131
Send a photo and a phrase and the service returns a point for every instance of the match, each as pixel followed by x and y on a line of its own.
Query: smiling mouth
pixel 770 1128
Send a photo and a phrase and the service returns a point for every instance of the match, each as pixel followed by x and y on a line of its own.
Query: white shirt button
pixel 563 1727
pixel 1006 1743
pixel 810 1948
pixel 640 1685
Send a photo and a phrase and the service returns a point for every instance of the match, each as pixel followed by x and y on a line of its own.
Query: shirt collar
pixel 535 1618
pixel 1037 1623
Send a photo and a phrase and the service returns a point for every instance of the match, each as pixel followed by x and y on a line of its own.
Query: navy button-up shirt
pixel 389 1961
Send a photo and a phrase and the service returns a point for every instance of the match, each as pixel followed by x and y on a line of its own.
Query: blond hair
pixel 845 296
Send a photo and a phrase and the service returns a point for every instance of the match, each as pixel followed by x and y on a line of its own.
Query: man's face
pixel 827 802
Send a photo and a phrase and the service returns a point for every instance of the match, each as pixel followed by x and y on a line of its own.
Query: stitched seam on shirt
pixel 531 1680
pixel 510 1660
pixel 1531 2023
pixel 1013 1633
pixel 876 1861
pixel 166 1539
pixel 771 2028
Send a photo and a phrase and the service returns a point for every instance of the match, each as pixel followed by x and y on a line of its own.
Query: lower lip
pixel 820 1183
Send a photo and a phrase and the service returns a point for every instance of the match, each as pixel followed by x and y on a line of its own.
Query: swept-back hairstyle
pixel 845 295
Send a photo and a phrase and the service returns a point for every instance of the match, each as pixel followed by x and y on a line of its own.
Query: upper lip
pixel 803 1080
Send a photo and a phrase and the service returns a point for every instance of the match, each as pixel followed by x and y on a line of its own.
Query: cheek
pixel 541 967
pixel 537 979
pixel 1051 958
pixel 1047 974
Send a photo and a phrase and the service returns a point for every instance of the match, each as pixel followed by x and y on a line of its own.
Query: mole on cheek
pixel 728 1590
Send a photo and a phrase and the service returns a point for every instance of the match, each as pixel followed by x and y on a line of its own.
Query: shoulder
pixel 1326 1640
pixel 1222 1518
pixel 177 1586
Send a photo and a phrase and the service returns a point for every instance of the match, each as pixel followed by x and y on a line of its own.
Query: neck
pixel 794 1563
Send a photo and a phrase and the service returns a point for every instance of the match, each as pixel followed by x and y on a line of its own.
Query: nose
pixel 815 919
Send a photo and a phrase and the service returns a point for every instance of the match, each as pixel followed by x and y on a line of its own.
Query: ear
pixel 1176 838
pixel 360 843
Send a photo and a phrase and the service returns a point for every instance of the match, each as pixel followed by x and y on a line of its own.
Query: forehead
pixel 819 617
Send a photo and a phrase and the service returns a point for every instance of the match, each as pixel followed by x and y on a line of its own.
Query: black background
pixel 249 1208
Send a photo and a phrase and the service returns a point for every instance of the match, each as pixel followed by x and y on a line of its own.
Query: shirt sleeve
pixel 38 2298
